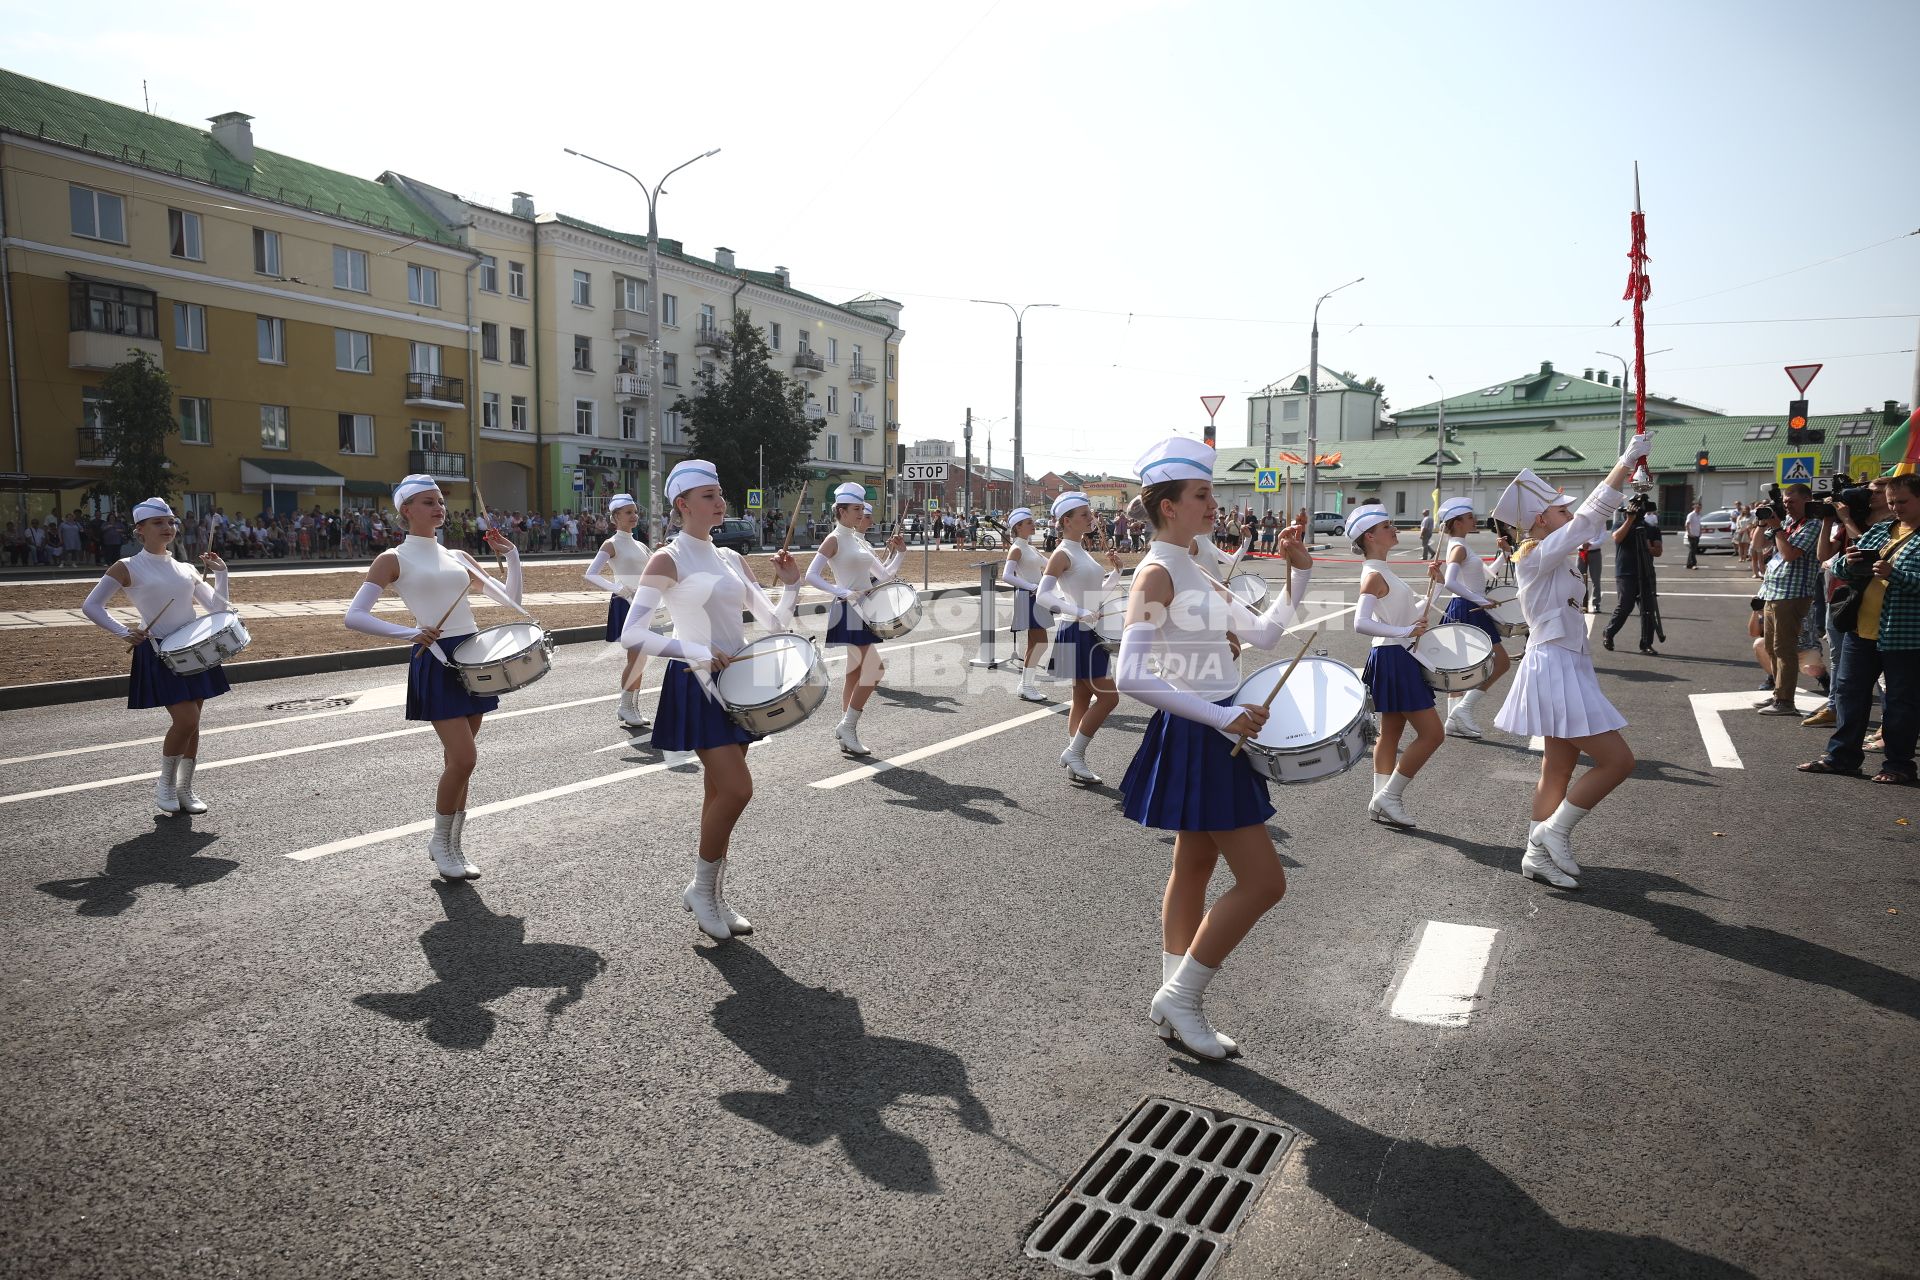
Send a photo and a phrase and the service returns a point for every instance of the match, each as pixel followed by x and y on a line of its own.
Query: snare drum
pixel 1251 588
pixel 1508 618
pixel 1110 622
pixel 204 643
pixel 891 609
pixel 1454 657
pixel 510 656
pixel 1317 725
pixel 773 684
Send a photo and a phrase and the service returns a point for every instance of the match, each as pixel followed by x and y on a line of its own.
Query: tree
pixel 136 419
pixel 749 406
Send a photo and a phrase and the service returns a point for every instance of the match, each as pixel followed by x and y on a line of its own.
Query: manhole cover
pixel 310 704
pixel 1162 1196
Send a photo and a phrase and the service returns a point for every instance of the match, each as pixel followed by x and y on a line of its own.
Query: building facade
pixel 1345 409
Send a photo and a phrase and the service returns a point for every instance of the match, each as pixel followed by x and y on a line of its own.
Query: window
pixel 189 326
pixel 805 342
pixel 428 437
pixel 709 323
pixel 273 426
pixel 489 340
pixel 490 410
pixel 183 234
pixel 352 351
pixel 349 269
pixel 517 346
pixel 356 433
pixel 583 417
pixel 423 285
pixel 582 289
pixel 98 215
pixel 1290 411
pixel 859 452
pixel 489 273
pixel 709 371
pixel 773 336
pixel 196 420
pixel 1763 431
pixel 272 336
pixel 517 279
pixel 1289 437
pixel 423 357
pixel 518 409
pixel 833 352
pixel 670 368
pixel 266 252
pixel 859 402
pixel 833 399
pixel 1858 427
pixel 1400 503
pixel 892 366
pixel 629 422
pixel 583 353
pixel 833 448
pixel 633 293
pixel 629 358
pixel 94 306
pixel 669 311
pixel 670 423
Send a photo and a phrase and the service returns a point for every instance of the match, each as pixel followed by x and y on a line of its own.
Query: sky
pixel 1182 177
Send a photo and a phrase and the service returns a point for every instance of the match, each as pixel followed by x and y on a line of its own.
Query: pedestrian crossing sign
pixel 933 504
pixel 1266 480
pixel 1796 468
pixel 753 500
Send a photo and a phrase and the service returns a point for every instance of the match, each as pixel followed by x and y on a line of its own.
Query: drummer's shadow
pixel 914 789
pixel 939 702
pixel 164 856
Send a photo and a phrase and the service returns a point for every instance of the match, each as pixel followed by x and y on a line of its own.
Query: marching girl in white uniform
pixel 1555 693
pixel 1393 614
pixel 1022 571
pixel 626 556
pixel 165 591
pixel 705 590
pixel 1184 778
pixel 1468 578
pixel 855 569
pixel 1073 587
pixel 1220 564
pixel 433 583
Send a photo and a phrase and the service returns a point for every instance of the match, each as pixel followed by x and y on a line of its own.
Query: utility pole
pixel 1313 401
pixel 1440 446
pixel 1019 361
pixel 966 476
pixel 1266 456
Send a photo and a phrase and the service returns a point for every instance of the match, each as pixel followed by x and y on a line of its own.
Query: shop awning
pixel 288 473
pixel 369 489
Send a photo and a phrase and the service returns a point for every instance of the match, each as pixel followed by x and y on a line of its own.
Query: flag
pixel 1903 444
pixel 1293 460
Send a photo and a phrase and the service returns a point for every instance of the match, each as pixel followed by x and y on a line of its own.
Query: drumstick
pixel 420 644
pixel 148 628
pixel 792 520
pixel 480 500
pixel 1284 676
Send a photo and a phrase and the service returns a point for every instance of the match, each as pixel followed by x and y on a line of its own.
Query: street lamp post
pixel 1019 359
pixel 1313 395
pixel 654 513
pixel 966 476
pixel 1626 385
pixel 1440 445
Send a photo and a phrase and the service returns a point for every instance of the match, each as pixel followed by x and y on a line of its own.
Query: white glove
pixel 1638 446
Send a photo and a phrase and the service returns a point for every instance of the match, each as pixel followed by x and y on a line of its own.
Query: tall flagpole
pixel 1638 289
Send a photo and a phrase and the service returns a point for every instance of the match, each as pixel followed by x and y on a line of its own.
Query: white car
pixel 1329 522
pixel 1716 531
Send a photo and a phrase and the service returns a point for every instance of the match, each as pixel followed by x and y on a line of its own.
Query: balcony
pixel 863 375
pixel 713 338
pixel 809 364
pixel 441 466
pixel 92 451
pixel 632 386
pixel 94 349
pixel 436 392
pixel 629 323
pixel 861 421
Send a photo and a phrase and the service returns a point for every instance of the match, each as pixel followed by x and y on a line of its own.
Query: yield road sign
pixel 1266 480
pixel 1802 375
pixel 1213 404
pixel 753 499
pixel 923 472
pixel 1796 468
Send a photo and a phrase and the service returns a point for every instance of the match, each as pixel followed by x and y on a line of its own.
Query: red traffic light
pixel 1702 460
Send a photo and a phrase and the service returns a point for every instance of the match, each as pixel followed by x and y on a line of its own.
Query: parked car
pixel 737 535
pixel 1329 522
pixel 1716 531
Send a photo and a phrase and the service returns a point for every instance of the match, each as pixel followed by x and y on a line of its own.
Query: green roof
pixel 1550 390
pixel 36 109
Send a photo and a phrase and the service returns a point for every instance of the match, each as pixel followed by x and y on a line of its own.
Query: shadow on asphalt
pixel 1627 891
pixel 1667 771
pixel 1448 1202
pixel 839 1078
pixel 935 702
pixel 478 957
pixel 915 789
pixel 1639 675
pixel 163 856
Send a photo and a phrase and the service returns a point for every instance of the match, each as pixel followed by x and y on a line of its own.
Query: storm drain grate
pixel 310 704
pixel 1162 1196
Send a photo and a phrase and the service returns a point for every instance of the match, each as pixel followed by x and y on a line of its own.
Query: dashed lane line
pixel 939 748
pixel 1447 975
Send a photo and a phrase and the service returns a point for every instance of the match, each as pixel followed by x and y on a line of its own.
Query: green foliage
pixel 137 419
pixel 745 407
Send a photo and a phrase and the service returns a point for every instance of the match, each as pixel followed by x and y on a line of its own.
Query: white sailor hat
pixel 850 492
pixel 866 508
pixel 1361 519
pixel 410 487
pixel 620 500
pixel 1015 516
pixel 1068 501
pixel 694 473
pixel 1453 508
pixel 1526 498
pixel 151 509
pixel 1176 458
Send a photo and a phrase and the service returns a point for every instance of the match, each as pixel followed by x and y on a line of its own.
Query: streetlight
pixel 1440 446
pixel 654 512
pixel 1019 345
pixel 1313 405
pixel 1626 378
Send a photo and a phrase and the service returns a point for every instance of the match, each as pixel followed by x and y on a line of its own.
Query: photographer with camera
pixel 1638 542
pixel 1787 587
pixel 1856 510
pixel 1879 617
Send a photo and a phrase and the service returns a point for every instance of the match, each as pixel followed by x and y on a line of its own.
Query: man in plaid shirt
pixel 1884 566
pixel 1787 588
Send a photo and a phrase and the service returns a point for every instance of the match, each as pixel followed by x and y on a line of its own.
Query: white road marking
pixel 1707 708
pixel 1445 977
pixel 938 748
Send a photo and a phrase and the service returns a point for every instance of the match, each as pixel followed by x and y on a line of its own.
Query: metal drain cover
pixel 310 704
pixel 1162 1196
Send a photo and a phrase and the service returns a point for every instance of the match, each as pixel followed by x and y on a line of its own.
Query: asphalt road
pixel 229 1062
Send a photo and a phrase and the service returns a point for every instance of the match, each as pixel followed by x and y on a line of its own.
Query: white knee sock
pixel 1397 784
pixel 1380 782
pixel 1566 816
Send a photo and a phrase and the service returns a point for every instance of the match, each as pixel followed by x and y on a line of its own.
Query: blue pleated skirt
pixel 152 683
pixel 1460 609
pixel 688 718
pixel 844 626
pixel 1025 616
pixel 434 691
pixel 1077 654
pixel 1185 777
pixel 1394 679
pixel 617 616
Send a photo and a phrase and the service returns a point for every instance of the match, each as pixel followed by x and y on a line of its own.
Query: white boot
pixel 736 923
pixel 1555 835
pixel 1535 864
pixel 1177 1002
pixel 847 734
pixel 630 709
pixel 183 787
pixel 702 898
pixel 165 797
pixel 440 849
pixel 1027 692
pixel 1460 724
pixel 1380 781
pixel 457 855
pixel 1386 806
pixel 1074 761
pixel 1169 963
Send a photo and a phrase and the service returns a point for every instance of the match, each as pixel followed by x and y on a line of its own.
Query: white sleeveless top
pixel 627 556
pixel 1474 569
pixel 1027 562
pixel 853 564
pixel 707 601
pixel 1399 608
pixel 1190 640
pixel 159 582
pixel 431 578
pixel 1084 582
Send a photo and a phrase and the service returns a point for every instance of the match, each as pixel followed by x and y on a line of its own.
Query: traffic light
pixel 1702 461
pixel 1796 423
pixel 1209 435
